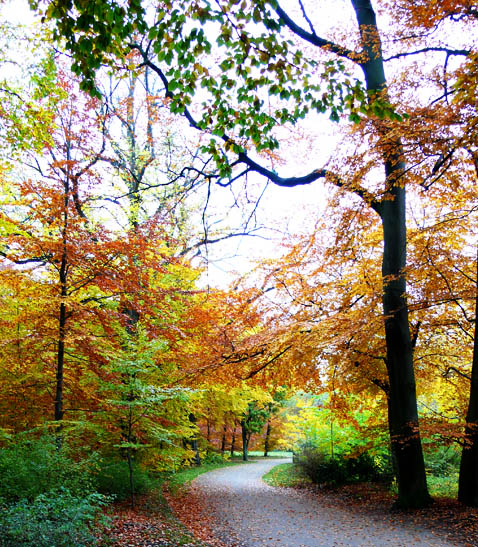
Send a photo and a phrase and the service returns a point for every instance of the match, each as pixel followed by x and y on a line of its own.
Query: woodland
pixel 137 137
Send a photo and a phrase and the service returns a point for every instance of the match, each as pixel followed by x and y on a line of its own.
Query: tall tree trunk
pixel 63 278
pixel 60 360
pixel 267 439
pixel 208 434
pixel 468 480
pixel 130 457
pixel 403 419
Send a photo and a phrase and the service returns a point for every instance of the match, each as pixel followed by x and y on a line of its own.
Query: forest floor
pixel 233 507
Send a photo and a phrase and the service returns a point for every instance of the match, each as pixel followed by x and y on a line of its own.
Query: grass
pixel 286 474
pixel 272 454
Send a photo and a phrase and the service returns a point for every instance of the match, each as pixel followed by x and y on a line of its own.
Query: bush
pixel 54 519
pixel 214 457
pixel 112 479
pixel 30 467
pixel 340 469
pixel 442 461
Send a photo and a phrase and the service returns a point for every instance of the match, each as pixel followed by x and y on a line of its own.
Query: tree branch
pixel 243 157
pixel 449 52
pixel 267 363
pixel 312 37
pixel 447 371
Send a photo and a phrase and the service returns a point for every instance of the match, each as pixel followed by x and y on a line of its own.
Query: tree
pixel 253 420
pixel 80 275
pixel 273 409
pixel 47 224
pixel 26 111
pixel 140 398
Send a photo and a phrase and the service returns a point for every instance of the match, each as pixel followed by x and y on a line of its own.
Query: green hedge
pixel 342 469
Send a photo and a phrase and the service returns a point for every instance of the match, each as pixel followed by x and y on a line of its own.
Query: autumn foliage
pixel 109 336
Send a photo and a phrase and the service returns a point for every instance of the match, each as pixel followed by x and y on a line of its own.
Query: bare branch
pixel 449 52
pixel 447 371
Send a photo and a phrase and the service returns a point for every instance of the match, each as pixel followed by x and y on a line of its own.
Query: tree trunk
pixel 267 440
pixel 60 359
pixel 245 442
pixel 233 440
pixel 223 440
pixel 208 435
pixel 130 457
pixel 468 480
pixel 403 419
pixel 403 413
pixel 60 363
pixel 194 442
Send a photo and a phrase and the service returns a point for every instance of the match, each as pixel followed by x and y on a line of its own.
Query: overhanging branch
pixel 312 37
pixel 243 157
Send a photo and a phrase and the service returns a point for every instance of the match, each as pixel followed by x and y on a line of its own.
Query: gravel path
pixel 248 512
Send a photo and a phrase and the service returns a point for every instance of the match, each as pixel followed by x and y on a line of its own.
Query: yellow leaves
pixel 218 402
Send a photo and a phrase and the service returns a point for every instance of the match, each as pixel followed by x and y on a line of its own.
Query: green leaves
pixel 230 59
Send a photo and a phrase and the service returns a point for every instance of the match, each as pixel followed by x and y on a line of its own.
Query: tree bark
pixel 194 442
pixel 233 440
pixel 267 440
pixel 403 413
pixel 60 361
pixel 63 278
pixel 245 441
pixel 403 419
pixel 130 458
pixel 468 479
pixel 223 440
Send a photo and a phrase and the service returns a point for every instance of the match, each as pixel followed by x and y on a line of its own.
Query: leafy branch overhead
pixel 249 78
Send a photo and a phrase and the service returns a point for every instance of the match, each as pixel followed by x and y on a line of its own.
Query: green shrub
pixel 30 467
pixel 340 469
pixel 112 479
pixel 55 519
pixel 214 457
pixel 442 461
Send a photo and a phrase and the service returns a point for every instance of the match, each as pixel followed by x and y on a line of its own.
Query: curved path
pixel 247 512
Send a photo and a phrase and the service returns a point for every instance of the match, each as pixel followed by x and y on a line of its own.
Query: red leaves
pixel 133 528
pixel 192 512
pixel 149 525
